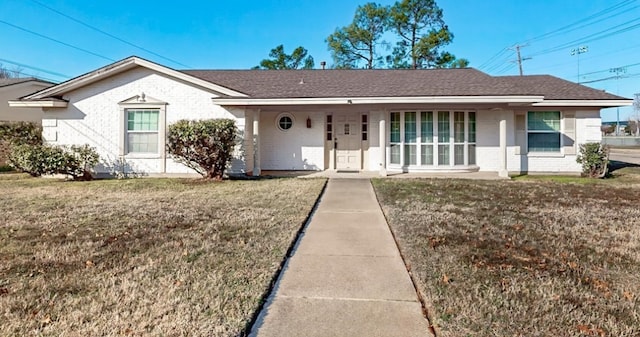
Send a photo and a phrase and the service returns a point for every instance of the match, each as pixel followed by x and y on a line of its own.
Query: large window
pixel 543 131
pixel 142 130
pixel 432 138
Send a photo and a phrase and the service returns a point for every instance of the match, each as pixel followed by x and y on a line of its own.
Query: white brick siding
pixel 587 130
pixel 93 117
pixel 299 148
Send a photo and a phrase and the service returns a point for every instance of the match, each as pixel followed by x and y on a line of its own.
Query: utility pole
pixel 578 51
pixel 520 59
pixel 618 71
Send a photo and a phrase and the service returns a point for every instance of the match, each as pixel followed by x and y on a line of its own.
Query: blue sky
pixel 238 34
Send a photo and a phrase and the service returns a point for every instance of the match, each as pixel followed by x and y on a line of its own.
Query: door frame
pixel 354 122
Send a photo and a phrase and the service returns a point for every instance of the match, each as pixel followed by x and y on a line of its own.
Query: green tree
pixel 422 34
pixel 206 146
pixel 281 60
pixel 357 42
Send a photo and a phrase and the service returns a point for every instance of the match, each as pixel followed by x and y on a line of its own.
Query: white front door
pixel 347 142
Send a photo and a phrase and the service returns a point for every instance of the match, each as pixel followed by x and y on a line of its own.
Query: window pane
pixel 472 154
pixel 427 155
pixel 394 154
pixel 410 127
pixel 142 120
pixel 443 126
pixel 458 126
pixel 544 142
pixel 410 155
pixel 443 155
pixel 458 151
pixel 285 123
pixel 395 128
pixel 426 126
pixel 543 120
pixel 142 142
pixel 472 127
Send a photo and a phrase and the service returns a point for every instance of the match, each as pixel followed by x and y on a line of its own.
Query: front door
pixel 347 142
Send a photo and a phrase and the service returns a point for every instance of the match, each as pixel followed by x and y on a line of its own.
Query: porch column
pixel 256 143
pixel 503 172
pixel 383 143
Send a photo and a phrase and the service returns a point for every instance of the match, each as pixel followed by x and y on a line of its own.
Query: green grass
pixel 521 258
pixel 142 257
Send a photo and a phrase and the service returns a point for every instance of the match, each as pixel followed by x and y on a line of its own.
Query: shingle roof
pixel 11 81
pixel 394 83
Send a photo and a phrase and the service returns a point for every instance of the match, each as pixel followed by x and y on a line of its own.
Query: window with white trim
pixel 543 131
pixel 142 130
pixel 284 121
pixel 432 138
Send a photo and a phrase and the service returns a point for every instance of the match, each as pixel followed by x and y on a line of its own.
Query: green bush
pixel 38 160
pixel 21 133
pixel 594 158
pixel 206 146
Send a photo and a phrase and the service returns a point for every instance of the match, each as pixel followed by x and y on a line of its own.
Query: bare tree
pixel 6 73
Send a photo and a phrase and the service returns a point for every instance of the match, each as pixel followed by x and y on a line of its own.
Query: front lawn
pixel 142 257
pixel 521 258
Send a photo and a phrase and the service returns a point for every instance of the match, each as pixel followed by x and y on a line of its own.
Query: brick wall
pixel 94 116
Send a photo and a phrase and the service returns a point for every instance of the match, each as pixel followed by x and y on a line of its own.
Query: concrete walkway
pixel 346 276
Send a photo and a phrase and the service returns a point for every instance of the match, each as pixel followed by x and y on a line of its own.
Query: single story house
pixel 354 120
pixel 14 88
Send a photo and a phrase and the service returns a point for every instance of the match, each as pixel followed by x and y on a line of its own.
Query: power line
pixel 35 68
pixel 108 34
pixel 595 15
pixel 593 37
pixel 492 58
pixel 612 78
pixel 563 30
pixel 57 41
pixel 556 65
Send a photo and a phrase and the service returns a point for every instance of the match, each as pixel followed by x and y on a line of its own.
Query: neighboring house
pixel 14 88
pixel 374 120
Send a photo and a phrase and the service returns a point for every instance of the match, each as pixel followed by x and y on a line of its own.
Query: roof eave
pixel 376 100
pixel 39 104
pixel 601 103
pixel 121 66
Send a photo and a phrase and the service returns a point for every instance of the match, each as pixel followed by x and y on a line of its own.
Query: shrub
pixel 21 133
pixel 206 146
pixel 594 158
pixel 38 160
pixel 17 133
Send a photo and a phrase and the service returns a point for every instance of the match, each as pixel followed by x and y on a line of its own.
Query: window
pixel 472 138
pixel 285 122
pixel 443 137
pixel 142 130
pixel 365 128
pixel 543 131
pixel 410 137
pixel 428 138
pixel 394 151
pixel 329 127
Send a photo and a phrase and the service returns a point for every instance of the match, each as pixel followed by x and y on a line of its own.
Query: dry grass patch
pixel 144 257
pixel 521 258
